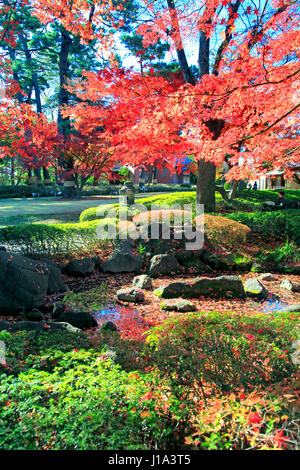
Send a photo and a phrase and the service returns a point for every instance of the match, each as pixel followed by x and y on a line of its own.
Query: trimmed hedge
pixel 52 239
pixel 166 200
pixel 274 223
pixel 7 192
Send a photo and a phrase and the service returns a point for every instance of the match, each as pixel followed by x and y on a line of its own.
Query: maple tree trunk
pixel 206 176
pixel 206 185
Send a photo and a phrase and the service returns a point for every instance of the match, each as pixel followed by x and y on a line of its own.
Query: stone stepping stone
pixel 289 285
pixel 130 294
pixel 181 305
pixel 267 277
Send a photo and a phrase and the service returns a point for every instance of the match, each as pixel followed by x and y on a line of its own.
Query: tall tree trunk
pixel 64 123
pixel 38 101
pixel 12 172
pixel 206 170
pixel 233 189
pixel 206 176
pixel 206 185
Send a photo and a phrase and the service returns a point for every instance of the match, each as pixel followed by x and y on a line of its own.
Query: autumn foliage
pixel 244 108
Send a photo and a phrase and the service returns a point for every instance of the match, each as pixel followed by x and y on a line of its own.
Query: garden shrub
pixel 221 230
pixel 167 200
pixel 283 223
pixel 41 239
pixel 288 252
pixel 291 196
pixel 243 421
pixel 107 211
pixel 162 215
pixel 223 351
pixel 82 400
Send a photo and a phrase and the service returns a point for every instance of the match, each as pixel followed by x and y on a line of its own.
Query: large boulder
pixel 254 288
pixel 23 283
pixel 80 267
pixel 55 281
pixel 36 326
pixel 124 259
pixel 219 260
pixel 218 287
pixel 82 320
pixel 162 265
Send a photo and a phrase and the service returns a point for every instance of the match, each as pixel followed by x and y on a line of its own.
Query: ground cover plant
pixel 156 396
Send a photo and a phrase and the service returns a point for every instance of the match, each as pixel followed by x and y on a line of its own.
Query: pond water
pixel 132 323
pixel 127 319
pixel 273 303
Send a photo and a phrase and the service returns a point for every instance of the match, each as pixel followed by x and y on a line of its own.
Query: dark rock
pixel 184 256
pixel 124 259
pixel 2 248
pixel 109 326
pixel 219 261
pixel 174 290
pixel 130 294
pixel 55 282
pixel 181 305
pixel 160 246
pixel 58 309
pixel 23 283
pixel 97 261
pixel 37 326
pixel 80 267
pixel 242 267
pixel 218 287
pixel 49 262
pixel 143 281
pixel 196 266
pixel 254 288
pixel 82 320
pixel 161 265
pixel 34 315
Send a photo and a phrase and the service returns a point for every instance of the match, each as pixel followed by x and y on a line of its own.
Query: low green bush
pixel 81 400
pixel 41 239
pixel 286 253
pixel 282 223
pixel 106 211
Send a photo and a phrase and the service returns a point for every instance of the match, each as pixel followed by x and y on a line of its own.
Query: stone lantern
pixel 127 193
